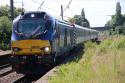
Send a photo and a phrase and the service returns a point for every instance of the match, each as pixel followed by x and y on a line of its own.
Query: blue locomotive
pixel 39 38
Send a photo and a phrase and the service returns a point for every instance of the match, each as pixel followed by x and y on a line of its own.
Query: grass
pixel 104 63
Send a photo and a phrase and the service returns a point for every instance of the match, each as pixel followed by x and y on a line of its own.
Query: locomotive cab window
pixel 33 27
pixel 29 26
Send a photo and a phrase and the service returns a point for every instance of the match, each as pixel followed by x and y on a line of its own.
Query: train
pixel 40 38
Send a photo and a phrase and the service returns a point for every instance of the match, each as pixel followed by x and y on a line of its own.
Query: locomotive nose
pixel 31 47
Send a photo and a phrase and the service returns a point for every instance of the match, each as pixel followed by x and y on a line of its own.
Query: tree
pixel 83 14
pixel 18 11
pixel 84 21
pixel 116 24
pixel 5 31
pixel 77 19
pixel 5 25
pixel 118 8
pixel 5 11
pixel 80 19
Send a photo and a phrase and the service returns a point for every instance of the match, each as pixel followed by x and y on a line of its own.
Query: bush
pixel 5 32
pixel 120 43
pixel 90 44
pixel 104 46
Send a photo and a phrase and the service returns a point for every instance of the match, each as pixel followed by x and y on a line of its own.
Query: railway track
pixel 33 78
pixel 28 79
pixel 5 71
pixel 3 66
pixel 9 76
pixel 4 58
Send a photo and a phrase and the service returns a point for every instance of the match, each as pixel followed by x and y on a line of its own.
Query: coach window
pixel 57 32
pixel 65 37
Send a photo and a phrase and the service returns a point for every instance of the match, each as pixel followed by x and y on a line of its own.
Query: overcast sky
pixel 98 12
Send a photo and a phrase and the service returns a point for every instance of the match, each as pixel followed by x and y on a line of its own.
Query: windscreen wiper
pixel 19 33
pixel 41 33
pixel 34 33
pixel 36 30
pixel 22 34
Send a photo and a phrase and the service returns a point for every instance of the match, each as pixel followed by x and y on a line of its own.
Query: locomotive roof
pixel 39 14
pixel 85 28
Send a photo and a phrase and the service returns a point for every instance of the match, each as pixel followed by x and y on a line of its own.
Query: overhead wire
pixel 57 12
pixel 67 6
pixel 58 2
pixel 40 6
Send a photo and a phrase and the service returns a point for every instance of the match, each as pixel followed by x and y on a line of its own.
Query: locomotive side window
pixel 58 35
pixel 57 32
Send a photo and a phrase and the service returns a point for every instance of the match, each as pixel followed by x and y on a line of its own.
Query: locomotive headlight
pixel 47 49
pixel 16 49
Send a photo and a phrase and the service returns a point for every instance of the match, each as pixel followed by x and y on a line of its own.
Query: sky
pixel 98 12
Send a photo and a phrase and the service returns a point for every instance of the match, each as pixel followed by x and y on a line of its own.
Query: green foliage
pixel 116 24
pixel 5 26
pixel 95 66
pixel 5 31
pixel 118 8
pixel 80 19
pixel 104 46
pixel 90 44
pixel 5 11
pixel 75 72
pixel 18 11
pixel 82 14
pixel 119 44
pixel 77 19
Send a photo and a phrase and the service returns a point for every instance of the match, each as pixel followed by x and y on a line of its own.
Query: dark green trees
pixel 5 11
pixel 118 8
pixel 116 24
pixel 84 21
pixel 80 19
pixel 5 26
pixel 5 32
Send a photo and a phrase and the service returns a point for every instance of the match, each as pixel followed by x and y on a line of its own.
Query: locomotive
pixel 39 38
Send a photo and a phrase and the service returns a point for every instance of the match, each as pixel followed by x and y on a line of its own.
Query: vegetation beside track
pixel 104 63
